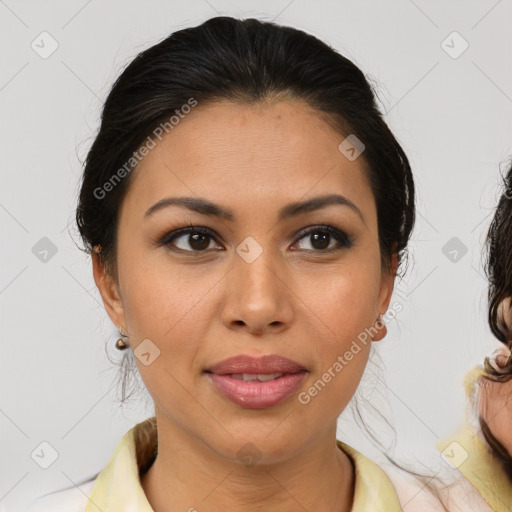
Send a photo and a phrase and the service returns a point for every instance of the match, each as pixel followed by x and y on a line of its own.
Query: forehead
pixel 240 154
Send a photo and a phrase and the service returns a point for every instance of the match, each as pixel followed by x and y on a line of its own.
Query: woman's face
pixel 257 283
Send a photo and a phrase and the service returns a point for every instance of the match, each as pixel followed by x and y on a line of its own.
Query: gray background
pixel 452 116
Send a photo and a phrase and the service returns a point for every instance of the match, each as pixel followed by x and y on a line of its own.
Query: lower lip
pixel 256 394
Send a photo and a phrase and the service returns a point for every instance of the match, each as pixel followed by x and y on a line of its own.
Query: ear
pixel 109 290
pixel 387 283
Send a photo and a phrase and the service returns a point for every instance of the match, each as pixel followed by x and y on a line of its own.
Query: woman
pixel 247 210
pixel 484 444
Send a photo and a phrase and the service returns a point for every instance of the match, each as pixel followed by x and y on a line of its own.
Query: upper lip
pixel 248 364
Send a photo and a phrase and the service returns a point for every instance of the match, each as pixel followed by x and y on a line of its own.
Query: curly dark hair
pixel 499 273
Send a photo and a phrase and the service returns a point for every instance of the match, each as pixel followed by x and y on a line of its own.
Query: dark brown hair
pixel 499 273
pixel 245 61
pixel 499 264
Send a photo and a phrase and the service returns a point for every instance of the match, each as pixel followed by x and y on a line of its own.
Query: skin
pixel 298 299
pixel 495 406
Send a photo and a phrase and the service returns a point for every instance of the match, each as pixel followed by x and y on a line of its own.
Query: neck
pixel 188 475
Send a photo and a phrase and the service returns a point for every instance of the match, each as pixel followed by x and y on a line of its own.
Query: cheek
pixel 161 299
pixel 340 310
pixel 343 300
pixel 501 427
pixel 169 309
pixel 171 314
pixel 495 406
pixel 336 377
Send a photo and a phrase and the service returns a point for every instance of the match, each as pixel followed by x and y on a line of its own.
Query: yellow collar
pixel 118 486
pixel 373 490
pixel 476 462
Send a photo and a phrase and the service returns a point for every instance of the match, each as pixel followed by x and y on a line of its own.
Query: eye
pixel 320 236
pixel 196 237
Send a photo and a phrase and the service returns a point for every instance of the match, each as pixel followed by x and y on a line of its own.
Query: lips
pixel 256 365
pixel 262 377
pixel 257 383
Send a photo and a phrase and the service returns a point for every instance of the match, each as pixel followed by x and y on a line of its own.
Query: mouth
pixel 247 367
pixel 255 393
pixel 262 377
pixel 256 383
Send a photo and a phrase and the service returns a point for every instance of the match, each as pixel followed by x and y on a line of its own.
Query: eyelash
pixel 344 241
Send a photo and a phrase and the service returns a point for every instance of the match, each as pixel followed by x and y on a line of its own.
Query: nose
pixel 258 297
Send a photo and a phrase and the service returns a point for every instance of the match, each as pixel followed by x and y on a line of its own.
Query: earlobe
pixel 108 289
pixel 381 330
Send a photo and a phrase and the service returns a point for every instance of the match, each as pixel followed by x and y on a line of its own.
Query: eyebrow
pixel 205 207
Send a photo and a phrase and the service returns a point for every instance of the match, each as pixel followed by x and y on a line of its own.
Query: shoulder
pixel 383 487
pixel 68 500
pixel 413 493
pixel 479 467
pixel 447 491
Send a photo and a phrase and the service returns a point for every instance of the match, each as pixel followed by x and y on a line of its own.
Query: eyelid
pixel 173 234
pixel 324 226
pixel 343 239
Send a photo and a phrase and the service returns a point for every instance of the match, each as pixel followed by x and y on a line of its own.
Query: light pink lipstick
pixel 257 382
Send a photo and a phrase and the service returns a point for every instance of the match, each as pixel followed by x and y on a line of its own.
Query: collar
pixel 476 462
pixel 468 452
pixel 373 489
pixel 118 486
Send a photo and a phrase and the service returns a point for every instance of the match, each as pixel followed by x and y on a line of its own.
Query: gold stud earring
pixel 120 343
